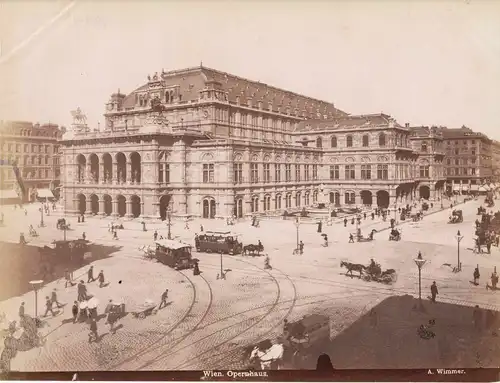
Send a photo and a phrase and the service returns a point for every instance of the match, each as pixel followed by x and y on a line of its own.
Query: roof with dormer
pixel 192 80
pixel 463 132
pixel 347 122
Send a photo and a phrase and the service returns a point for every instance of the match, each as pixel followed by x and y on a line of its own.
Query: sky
pixel 423 62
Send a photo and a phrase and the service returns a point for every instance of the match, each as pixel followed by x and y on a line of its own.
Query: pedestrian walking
pixel 112 315
pixel 164 298
pixel 351 238
pixel 100 278
pixel 186 225
pixel 90 275
pixel 68 279
pixel 115 235
pixel 21 310
pixel 373 216
pixel 320 227
pixel 364 215
pixel 301 247
pixel 488 245
pixel 476 275
pixel 82 292
pixel 48 307
pixel 196 269
pixel 93 335
pixel 434 291
pixel 74 311
pixel 155 235
pixel 345 222
pixel 201 228
pixel 54 300
pixel 477 318
pixel 84 236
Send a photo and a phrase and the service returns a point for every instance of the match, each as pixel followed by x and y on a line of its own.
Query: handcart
pixel 144 310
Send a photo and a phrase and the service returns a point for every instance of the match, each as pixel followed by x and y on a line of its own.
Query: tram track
pixel 234 351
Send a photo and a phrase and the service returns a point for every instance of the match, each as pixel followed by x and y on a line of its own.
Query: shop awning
pixel 457 187
pixel 474 187
pixel 483 188
pixel 8 194
pixel 44 193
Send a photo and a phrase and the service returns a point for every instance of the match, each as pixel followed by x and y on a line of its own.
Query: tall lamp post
pixel 42 224
pixel 169 224
pixel 36 285
pixel 222 274
pixel 459 238
pixel 420 262
pixel 297 225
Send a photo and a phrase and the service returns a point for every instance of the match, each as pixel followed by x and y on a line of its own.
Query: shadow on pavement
pixel 22 263
pixel 389 336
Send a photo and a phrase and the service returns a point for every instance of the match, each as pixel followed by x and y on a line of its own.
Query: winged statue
pixel 78 116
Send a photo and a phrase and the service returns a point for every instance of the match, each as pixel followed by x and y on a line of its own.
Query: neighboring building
pixel 468 159
pixel 35 148
pixel 367 159
pixel 197 142
pixel 428 142
pixel 495 160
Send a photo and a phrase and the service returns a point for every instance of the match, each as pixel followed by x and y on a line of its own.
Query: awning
pixel 474 187
pixel 44 193
pixel 457 187
pixel 8 194
pixel 483 188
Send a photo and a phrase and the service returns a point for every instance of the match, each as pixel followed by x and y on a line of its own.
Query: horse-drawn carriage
pixel 218 241
pixel 62 224
pixel 299 346
pixel 395 235
pixel 456 217
pixel 417 216
pixel 372 272
pixel 481 210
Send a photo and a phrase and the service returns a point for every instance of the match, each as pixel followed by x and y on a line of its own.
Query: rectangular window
pixel 366 172
pixel 254 173
pixel 350 172
pixel 26 148
pixel 315 172
pixel 383 172
pixel 288 172
pixel 297 173
pixel 277 173
pixel 306 174
pixel 208 173
pixel 424 171
pixel 267 173
pixel 238 173
pixel 349 198
pixel 473 171
pixel 334 172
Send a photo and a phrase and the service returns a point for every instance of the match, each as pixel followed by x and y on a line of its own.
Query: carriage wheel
pixel 142 315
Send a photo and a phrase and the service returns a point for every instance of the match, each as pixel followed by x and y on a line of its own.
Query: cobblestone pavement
pixel 209 320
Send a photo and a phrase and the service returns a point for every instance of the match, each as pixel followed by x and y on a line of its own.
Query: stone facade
pixel 35 148
pixel 199 142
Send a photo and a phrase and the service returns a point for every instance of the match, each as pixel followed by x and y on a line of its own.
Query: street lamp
pixel 459 238
pixel 169 224
pixel 297 224
pixel 222 274
pixel 36 285
pixel 420 262
pixel 41 217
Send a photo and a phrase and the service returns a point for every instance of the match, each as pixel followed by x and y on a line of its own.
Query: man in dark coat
pixel 434 292
pixel 476 275
pixel 320 227
pixel 164 298
pixel 82 292
pixel 345 222
pixel 90 275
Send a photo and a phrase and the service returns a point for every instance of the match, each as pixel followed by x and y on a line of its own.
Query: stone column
pixel 129 172
pixel 114 172
pixel 128 213
pixel 115 208
pixel 89 207
pixel 101 207
pixel 101 172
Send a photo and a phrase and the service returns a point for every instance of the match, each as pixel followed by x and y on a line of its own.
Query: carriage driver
pixel 395 232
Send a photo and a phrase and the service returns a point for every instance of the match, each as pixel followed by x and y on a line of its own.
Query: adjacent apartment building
pixel 468 159
pixel 35 149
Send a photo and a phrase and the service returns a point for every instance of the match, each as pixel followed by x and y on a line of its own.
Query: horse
pixel 353 267
pixel 252 249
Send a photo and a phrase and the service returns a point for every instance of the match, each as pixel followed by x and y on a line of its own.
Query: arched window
pixel 381 139
pixel 319 142
pixel 349 141
pixel 365 141
pixel 167 96
pixel 333 143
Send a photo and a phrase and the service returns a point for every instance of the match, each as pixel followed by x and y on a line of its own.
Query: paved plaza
pixel 208 321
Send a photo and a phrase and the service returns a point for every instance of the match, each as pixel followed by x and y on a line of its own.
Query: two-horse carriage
pixel 253 249
pixel 62 224
pixel 456 217
pixel 372 272
pixel 299 346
